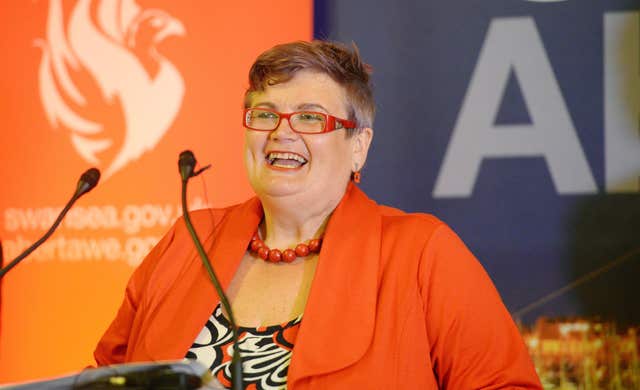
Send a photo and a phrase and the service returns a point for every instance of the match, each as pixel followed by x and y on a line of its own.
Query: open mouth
pixel 285 160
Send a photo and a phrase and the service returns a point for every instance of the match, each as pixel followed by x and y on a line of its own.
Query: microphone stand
pixel 186 164
pixel 87 181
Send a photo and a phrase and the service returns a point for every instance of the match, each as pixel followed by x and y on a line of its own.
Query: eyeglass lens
pixel 307 122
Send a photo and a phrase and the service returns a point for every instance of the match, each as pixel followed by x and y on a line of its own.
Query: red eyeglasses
pixel 305 122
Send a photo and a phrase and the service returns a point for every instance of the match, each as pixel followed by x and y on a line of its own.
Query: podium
pixel 182 374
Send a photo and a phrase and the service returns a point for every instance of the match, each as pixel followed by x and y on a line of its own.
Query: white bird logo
pixel 101 75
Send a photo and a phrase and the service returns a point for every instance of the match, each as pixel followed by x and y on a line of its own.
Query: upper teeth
pixel 286 156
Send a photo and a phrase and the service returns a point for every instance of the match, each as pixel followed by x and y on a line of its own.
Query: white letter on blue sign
pixel 513 44
pixel 622 101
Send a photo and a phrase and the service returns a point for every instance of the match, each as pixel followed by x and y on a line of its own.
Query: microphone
pixel 87 181
pixel 186 166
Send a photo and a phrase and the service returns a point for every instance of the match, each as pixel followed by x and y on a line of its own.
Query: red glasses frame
pixel 330 121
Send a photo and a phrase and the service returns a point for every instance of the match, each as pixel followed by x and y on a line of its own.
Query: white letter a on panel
pixel 513 44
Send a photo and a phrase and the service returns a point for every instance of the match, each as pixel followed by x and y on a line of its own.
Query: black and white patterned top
pixel 265 351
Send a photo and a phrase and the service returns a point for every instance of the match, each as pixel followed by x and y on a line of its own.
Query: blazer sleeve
pixel 112 347
pixel 474 342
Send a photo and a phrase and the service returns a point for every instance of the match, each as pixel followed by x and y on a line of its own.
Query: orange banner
pixel 122 85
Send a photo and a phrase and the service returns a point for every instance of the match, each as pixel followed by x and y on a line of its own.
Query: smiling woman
pixel 330 290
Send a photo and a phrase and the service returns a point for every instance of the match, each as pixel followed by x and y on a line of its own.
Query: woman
pixel 371 298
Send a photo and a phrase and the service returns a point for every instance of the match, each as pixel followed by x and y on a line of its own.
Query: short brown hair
pixel 343 64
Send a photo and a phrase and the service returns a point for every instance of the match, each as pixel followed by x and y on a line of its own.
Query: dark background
pixel 532 240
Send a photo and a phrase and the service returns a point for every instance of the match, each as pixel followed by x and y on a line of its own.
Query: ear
pixel 360 143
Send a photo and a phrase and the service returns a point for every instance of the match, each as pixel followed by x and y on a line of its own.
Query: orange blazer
pixel 397 302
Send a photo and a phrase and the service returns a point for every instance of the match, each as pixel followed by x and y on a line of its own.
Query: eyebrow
pixel 303 106
pixel 312 106
pixel 266 104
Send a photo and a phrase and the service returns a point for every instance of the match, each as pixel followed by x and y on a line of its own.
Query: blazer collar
pixel 341 307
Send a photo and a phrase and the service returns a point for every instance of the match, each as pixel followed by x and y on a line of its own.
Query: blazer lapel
pixel 178 317
pixel 338 322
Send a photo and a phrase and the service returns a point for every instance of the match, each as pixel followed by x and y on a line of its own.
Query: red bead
pixel 263 252
pixel 288 255
pixel 314 245
pixel 302 250
pixel 256 244
pixel 275 255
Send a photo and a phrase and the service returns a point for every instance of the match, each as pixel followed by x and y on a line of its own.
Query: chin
pixel 279 188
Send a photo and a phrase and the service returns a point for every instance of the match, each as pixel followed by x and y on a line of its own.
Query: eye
pixel 264 115
pixel 310 117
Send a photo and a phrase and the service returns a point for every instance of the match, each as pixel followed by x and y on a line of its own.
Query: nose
pixel 284 131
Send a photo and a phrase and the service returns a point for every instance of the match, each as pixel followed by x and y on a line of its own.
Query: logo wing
pixel 118 53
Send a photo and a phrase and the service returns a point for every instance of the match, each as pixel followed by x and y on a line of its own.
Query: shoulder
pixel 177 240
pixel 206 221
pixel 413 231
pixel 427 242
pixel 421 226
pixel 211 216
pixel 423 242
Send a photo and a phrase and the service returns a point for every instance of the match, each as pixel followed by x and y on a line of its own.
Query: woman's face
pixel 311 168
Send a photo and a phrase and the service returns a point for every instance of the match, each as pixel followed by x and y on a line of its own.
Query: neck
pixel 288 222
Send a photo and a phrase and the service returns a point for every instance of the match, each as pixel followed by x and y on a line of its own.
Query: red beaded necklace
pixel 288 255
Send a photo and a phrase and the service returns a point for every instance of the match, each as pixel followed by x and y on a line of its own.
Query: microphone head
pixel 87 181
pixel 186 164
pixel 91 176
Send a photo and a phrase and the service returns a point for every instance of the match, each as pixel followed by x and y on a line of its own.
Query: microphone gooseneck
pixel 186 166
pixel 87 181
